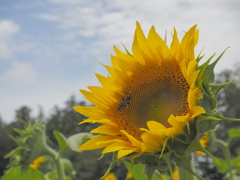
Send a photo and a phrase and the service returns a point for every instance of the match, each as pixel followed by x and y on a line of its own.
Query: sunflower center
pixel 154 95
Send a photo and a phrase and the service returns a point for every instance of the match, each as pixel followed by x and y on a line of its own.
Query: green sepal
pixel 206 102
pixel 167 158
pixel 210 68
pixel 154 162
pixel 204 65
pixel 205 82
pixel 128 53
pixel 206 123
pixel 184 162
pixel 196 146
pixel 214 89
pixel 199 57
pixel 149 170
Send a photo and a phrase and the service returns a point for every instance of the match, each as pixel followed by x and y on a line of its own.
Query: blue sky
pixel 48 48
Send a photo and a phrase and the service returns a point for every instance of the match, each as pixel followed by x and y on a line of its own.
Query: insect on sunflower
pixel 154 100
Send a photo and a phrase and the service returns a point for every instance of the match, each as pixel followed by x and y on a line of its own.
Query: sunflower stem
pixel 57 162
pixel 226 151
pixel 185 175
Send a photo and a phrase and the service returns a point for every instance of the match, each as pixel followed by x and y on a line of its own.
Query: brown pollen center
pixel 154 95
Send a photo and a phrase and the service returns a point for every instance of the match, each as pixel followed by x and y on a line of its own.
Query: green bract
pixel 31 144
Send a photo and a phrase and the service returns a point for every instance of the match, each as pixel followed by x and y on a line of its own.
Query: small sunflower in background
pixel 203 141
pixel 110 176
pixel 37 162
pixel 175 174
pixel 156 103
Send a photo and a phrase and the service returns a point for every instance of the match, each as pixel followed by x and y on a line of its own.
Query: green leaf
pixel 51 175
pixel 137 170
pixel 68 167
pixel 223 167
pixel 62 141
pixel 17 173
pixel 76 140
pixel 232 133
pixel 235 161
pixel 158 176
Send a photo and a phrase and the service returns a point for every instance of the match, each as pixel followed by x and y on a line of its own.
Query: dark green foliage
pixel 229 105
pixel 87 164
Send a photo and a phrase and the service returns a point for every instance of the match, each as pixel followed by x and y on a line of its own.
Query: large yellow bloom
pixel 148 96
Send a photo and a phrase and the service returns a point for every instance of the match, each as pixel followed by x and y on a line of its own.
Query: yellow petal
pixel 122 153
pixel 92 144
pixel 116 147
pixel 155 126
pixel 106 129
pixel 133 140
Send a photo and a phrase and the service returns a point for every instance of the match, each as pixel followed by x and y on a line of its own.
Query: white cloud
pixel 7 29
pixel 5 51
pixel 73 2
pixel 49 17
pixel 111 22
pixel 20 72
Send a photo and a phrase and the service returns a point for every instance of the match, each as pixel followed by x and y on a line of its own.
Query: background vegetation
pixel 88 165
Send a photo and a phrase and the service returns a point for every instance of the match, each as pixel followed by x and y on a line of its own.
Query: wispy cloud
pixel 49 17
pixel 20 72
pixel 7 29
pixel 104 23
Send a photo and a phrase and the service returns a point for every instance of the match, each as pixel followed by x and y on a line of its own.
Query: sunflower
pixel 203 141
pixel 36 163
pixel 148 97
pixel 110 176
pixel 175 174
